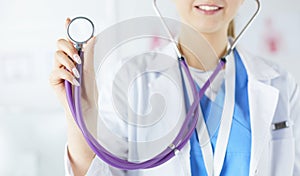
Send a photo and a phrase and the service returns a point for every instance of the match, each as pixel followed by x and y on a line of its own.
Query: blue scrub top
pixel 237 158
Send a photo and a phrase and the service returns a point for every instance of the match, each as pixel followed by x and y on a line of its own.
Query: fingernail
pixel 75 82
pixel 76 73
pixel 77 58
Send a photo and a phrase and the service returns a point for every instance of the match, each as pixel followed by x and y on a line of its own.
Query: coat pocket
pixel 282 156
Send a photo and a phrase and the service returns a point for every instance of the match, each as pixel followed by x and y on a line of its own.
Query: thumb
pixel 89 53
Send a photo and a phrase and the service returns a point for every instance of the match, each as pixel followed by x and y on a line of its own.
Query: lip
pixel 208 9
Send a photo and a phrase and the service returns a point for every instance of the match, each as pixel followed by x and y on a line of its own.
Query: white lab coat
pixel 273 97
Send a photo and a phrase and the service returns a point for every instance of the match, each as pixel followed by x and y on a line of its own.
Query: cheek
pixel 183 10
pixel 233 9
pixel 184 7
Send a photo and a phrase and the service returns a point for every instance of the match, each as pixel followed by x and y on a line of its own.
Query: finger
pixel 61 59
pixel 91 42
pixel 68 48
pixel 58 76
pixel 67 22
pixel 89 53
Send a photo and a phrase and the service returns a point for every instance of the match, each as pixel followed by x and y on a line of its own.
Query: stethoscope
pixel 189 123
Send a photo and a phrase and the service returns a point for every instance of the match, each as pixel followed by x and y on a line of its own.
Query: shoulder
pixel 265 68
pixel 269 72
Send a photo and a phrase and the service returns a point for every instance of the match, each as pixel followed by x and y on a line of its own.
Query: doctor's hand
pixel 65 60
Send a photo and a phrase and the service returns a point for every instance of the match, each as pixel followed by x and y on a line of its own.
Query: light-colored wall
pixel 32 128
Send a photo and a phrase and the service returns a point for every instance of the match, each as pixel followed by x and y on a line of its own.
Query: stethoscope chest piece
pixel 80 30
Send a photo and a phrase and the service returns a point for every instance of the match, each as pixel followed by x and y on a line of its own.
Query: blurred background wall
pixel 32 124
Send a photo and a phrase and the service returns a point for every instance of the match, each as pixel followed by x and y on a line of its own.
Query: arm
pixel 79 157
pixel 79 153
pixel 295 116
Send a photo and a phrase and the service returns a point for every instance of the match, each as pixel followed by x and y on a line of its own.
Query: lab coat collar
pixel 257 68
pixel 162 59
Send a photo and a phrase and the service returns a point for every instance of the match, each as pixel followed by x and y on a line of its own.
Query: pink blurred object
pixel 272 37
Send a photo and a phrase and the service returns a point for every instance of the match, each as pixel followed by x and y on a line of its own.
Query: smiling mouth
pixel 208 9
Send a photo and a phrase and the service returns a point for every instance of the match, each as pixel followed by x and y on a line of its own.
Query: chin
pixel 208 28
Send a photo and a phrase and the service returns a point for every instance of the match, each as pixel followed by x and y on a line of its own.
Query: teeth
pixel 208 8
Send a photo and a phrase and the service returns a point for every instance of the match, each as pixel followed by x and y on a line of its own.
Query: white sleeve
pixel 295 116
pixel 97 167
pixel 68 169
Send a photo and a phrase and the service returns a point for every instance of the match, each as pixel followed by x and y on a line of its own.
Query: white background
pixel 32 128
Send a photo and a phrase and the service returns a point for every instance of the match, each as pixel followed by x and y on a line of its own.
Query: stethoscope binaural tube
pixel 233 44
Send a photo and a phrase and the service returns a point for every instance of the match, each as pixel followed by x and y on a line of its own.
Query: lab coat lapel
pixel 262 104
pixel 263 100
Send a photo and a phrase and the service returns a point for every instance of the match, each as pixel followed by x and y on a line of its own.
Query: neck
pixel 203 51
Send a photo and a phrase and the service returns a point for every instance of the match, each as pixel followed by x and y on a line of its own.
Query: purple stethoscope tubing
pixel 189 124
pixel 177 144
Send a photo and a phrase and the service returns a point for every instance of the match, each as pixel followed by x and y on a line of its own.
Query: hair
pixel 231 31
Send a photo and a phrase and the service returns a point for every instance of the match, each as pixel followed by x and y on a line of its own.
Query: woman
pixel 263 138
